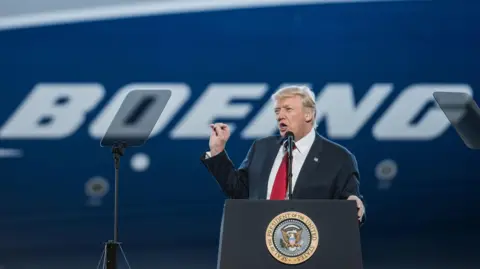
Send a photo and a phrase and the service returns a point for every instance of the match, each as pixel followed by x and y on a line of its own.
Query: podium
pixel 303 234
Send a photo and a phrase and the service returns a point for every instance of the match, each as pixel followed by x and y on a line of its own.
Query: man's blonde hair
pixel 305 93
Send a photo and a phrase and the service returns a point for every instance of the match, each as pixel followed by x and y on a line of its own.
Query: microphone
pixel 289 141
pixel 290 138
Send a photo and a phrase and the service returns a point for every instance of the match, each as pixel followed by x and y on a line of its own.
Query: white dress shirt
pixel 299 155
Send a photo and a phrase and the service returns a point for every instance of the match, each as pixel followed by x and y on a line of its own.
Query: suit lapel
pixel 310 165
pixel 267 167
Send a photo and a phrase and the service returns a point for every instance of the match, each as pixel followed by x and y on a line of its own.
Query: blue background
pixel 428 217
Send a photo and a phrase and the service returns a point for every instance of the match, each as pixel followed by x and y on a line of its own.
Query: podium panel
pixel 290 234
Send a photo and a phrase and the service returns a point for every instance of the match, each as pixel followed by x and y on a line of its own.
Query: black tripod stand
pixel 108 260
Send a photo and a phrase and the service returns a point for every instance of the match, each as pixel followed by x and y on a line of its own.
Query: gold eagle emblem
pixel 292 238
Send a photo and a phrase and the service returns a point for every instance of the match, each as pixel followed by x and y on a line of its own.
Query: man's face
pixel 290 115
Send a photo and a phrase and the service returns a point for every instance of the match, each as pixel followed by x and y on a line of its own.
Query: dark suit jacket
pixel 329 172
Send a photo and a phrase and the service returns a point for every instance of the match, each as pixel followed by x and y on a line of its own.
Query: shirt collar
pixel 305 143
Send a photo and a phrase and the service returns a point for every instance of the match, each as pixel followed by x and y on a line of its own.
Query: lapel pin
pixel 315 159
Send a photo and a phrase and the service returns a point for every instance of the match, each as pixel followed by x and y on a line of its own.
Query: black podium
pixel 303 234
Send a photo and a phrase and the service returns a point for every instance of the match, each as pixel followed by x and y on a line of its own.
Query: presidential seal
pixel 292 238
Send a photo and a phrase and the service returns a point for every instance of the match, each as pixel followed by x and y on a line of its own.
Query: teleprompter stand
pixel 109 254
pixel 131 127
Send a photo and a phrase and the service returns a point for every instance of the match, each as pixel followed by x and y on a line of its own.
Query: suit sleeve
pixel 233 182
pixel 348 180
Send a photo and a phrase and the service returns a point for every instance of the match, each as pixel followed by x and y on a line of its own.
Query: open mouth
pixel 283 127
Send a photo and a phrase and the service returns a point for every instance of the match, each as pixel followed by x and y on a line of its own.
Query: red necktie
pixel 279 190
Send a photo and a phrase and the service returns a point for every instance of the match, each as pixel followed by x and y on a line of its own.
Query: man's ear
pixel 308 116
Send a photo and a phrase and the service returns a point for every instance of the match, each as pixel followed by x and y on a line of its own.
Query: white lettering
pixel 215 103
pixel 396 122
pixel 180 94
pixel 52 111
pixel 344 119
pixel 56 111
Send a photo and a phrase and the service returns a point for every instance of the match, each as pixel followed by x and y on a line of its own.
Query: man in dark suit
pixel 321 169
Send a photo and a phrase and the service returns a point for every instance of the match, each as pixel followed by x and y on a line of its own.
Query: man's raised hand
pixel 218 137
